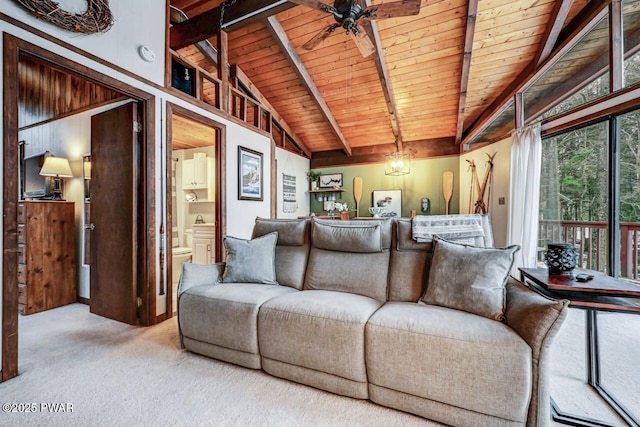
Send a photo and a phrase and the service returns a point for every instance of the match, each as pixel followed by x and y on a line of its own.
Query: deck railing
pixel 589 239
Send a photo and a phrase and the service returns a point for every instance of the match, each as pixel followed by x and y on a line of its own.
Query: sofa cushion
pixel 291 232
pixel 318 330
pixel 226 314
pixel 385 226
pixel 363 239
pixel 292 248
pixel 451 357
pixel 409 264
pixel 251 261
pixel 469 278
pixel 358 273
pixel 362 274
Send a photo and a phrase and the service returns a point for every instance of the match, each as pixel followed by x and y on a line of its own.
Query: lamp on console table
pixel 57 167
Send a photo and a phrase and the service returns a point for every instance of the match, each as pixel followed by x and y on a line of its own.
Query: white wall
pixel 241 214
pixel 136 23
pixel 501 170
pixel 291 164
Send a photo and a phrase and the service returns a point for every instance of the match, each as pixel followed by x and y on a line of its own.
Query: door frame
pixel 221 185
pixel 13 47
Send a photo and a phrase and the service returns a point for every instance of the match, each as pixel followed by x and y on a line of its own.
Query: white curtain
pixel 524 196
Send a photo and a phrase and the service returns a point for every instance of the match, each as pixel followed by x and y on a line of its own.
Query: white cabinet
pixel 204 243
pixel 199 173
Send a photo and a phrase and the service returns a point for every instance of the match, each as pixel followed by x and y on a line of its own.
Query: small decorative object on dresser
pixel 560 258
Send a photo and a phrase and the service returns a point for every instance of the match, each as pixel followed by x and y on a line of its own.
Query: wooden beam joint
pixel 207 24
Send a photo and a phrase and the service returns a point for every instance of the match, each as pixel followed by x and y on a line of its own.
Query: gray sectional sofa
pixel 340 306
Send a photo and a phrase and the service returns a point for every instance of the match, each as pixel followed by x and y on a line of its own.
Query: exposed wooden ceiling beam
pixel 472 11
pixel 204 46
pixel 371 27
pixel 552 32
pixel 570 35
pixel 289 51
pixel 424 149
pixel 236 15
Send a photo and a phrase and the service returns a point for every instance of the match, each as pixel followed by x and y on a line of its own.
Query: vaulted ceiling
pixel 430 79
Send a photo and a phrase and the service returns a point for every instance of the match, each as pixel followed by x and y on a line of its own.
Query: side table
pixel 602 293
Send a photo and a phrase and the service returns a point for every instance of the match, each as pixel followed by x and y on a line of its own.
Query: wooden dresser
pixel 46 255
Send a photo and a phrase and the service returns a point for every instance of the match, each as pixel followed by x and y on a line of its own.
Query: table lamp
pixel 57 167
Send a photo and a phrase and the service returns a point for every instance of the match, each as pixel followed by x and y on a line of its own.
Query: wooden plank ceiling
pixel 425 62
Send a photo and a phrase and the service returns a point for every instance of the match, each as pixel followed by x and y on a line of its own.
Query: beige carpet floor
pixel 118 375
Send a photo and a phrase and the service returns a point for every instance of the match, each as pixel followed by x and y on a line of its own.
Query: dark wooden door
pixel 114 182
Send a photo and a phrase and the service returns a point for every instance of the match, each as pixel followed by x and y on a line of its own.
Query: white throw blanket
pixel 451 227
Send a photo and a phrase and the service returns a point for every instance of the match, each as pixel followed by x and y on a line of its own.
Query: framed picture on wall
pixel 331 181
pixel 250 181
pixel 390 201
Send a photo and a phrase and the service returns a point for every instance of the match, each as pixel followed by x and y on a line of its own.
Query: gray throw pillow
pixel 468 278
pixel 251 261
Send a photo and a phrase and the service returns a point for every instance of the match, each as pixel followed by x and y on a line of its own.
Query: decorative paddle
pixel 357 193
pixel 447 189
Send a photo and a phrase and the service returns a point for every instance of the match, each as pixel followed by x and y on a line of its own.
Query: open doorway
pixel 47 67
pixel 195 200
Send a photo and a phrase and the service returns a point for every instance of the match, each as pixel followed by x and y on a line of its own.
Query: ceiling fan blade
pixel 394 9
pixel 314 4
pixel 364 43
pixel 323 34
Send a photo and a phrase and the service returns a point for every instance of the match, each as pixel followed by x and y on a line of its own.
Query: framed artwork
pixel 250 180
pixel 390 200
pixel 331 180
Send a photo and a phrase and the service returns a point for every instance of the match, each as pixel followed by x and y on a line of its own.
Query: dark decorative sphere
pixel 560 258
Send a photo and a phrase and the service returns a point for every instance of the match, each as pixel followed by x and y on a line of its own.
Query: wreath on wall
pixel 97 18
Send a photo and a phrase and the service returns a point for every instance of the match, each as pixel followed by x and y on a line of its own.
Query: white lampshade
pixel 87 169
pixel 56 166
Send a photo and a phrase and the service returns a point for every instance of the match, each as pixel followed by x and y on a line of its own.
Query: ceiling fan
pixel 349 13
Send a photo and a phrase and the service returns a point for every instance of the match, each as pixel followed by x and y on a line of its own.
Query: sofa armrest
pixel 198 275
pixel 537 319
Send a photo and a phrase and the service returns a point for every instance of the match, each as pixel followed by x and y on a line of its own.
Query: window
pixel 580 76
pixel 631 28
pixel 499 128
pixel 629 191
pixel 574 201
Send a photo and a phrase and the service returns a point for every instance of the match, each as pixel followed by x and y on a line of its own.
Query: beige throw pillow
pixel 251 261
pixel 469 278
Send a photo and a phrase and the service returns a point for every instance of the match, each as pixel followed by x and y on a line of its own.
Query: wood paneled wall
pixel 46 93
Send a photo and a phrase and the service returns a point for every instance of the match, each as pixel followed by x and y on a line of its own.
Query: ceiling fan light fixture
pixel 397 164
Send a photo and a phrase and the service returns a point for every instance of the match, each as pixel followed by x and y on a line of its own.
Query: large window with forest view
pixel 574 202
pixel 577 189
pixel 629 194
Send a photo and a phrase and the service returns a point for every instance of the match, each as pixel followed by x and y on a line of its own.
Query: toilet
pixel 180 255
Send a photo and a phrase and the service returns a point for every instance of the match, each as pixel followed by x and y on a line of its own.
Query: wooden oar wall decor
pixel 480 207
pixel 357 193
